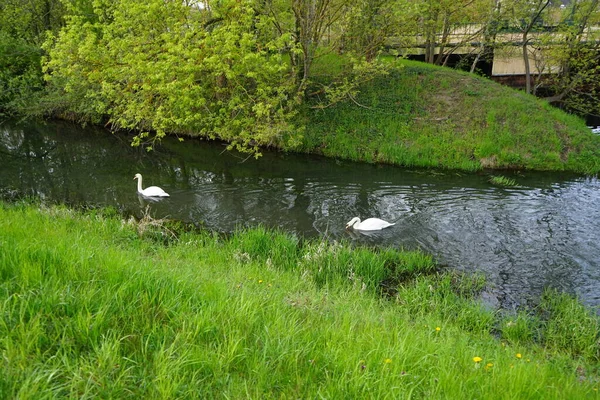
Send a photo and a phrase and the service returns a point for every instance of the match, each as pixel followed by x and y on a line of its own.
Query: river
pixel 544 232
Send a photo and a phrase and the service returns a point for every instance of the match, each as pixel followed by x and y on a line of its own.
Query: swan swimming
pixel 369 224
pixel 150 191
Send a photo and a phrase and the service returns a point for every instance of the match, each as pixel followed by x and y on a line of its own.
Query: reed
pixel 94 307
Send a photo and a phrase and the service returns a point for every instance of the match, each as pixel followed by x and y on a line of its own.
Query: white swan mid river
pixel 150 191
pixel 369 224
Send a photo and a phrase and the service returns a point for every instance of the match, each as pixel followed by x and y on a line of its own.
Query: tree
pixel 309 23
pixel 30 20
pixel 447 25
pixel 23 27
pixel 530 14
pixel 368 24
pixel 319 28
pixel 491 20
pixel 162 66
pixel 312 19
pixel 576 83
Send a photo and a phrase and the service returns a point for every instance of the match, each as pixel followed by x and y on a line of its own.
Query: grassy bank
pixel 422 115
pixel 93 306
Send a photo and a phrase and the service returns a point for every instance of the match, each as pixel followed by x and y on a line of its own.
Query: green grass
pixel 96 307
pixel 421 115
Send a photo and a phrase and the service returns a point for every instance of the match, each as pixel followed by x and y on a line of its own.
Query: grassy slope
pixel 95 307
pixel 421 115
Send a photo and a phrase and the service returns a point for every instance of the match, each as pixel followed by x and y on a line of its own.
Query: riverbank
pixel 95 306
pixel 416 115
pixel 429 116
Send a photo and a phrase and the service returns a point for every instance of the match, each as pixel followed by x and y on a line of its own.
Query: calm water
pixel 545 232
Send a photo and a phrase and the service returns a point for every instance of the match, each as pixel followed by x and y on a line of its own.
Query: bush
pixel 20 75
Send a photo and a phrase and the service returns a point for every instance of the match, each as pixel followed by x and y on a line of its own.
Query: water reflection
pixel 542 233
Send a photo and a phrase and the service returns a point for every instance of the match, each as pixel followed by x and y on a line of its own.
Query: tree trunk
pixel 526 61
pixel 526 42
pixel 444 41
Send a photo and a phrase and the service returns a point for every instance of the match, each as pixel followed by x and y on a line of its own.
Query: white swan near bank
pixel 369 224
pixel 150 191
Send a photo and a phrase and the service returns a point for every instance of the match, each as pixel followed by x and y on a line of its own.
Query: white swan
pixel 369 224
pixel 150 191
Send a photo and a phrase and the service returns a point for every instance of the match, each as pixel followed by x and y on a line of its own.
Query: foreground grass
pixel 96 307
pixel 422 115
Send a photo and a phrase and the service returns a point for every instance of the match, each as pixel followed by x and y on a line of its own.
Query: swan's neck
pixel 139 184
pixel 356 221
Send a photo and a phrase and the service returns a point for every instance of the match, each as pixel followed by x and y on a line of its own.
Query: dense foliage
pixel 20 74
pixel 159 66
pixel 23 28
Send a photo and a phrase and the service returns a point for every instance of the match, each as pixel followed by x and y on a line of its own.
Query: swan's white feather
pixel 150 191
pixel 369 224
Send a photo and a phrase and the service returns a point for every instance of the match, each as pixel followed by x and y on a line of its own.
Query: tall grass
pixel 94 307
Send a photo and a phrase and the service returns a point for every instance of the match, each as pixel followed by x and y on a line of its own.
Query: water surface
pixel 544 232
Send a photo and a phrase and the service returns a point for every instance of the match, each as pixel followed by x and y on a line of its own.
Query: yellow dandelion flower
pixel 477 359
pixel 489 365
pixel 260 281
pixel 438 329
pixel 519 355
pixel 388 361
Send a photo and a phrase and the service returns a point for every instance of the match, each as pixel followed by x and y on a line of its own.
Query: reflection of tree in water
pixel 300 205
pixel 28 160
pixel 60 161
pixel 363 205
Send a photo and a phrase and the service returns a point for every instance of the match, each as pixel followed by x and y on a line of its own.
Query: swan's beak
pixel 348 226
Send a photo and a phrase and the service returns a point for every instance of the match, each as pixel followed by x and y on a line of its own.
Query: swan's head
pixel 137 176
pixel 353 221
